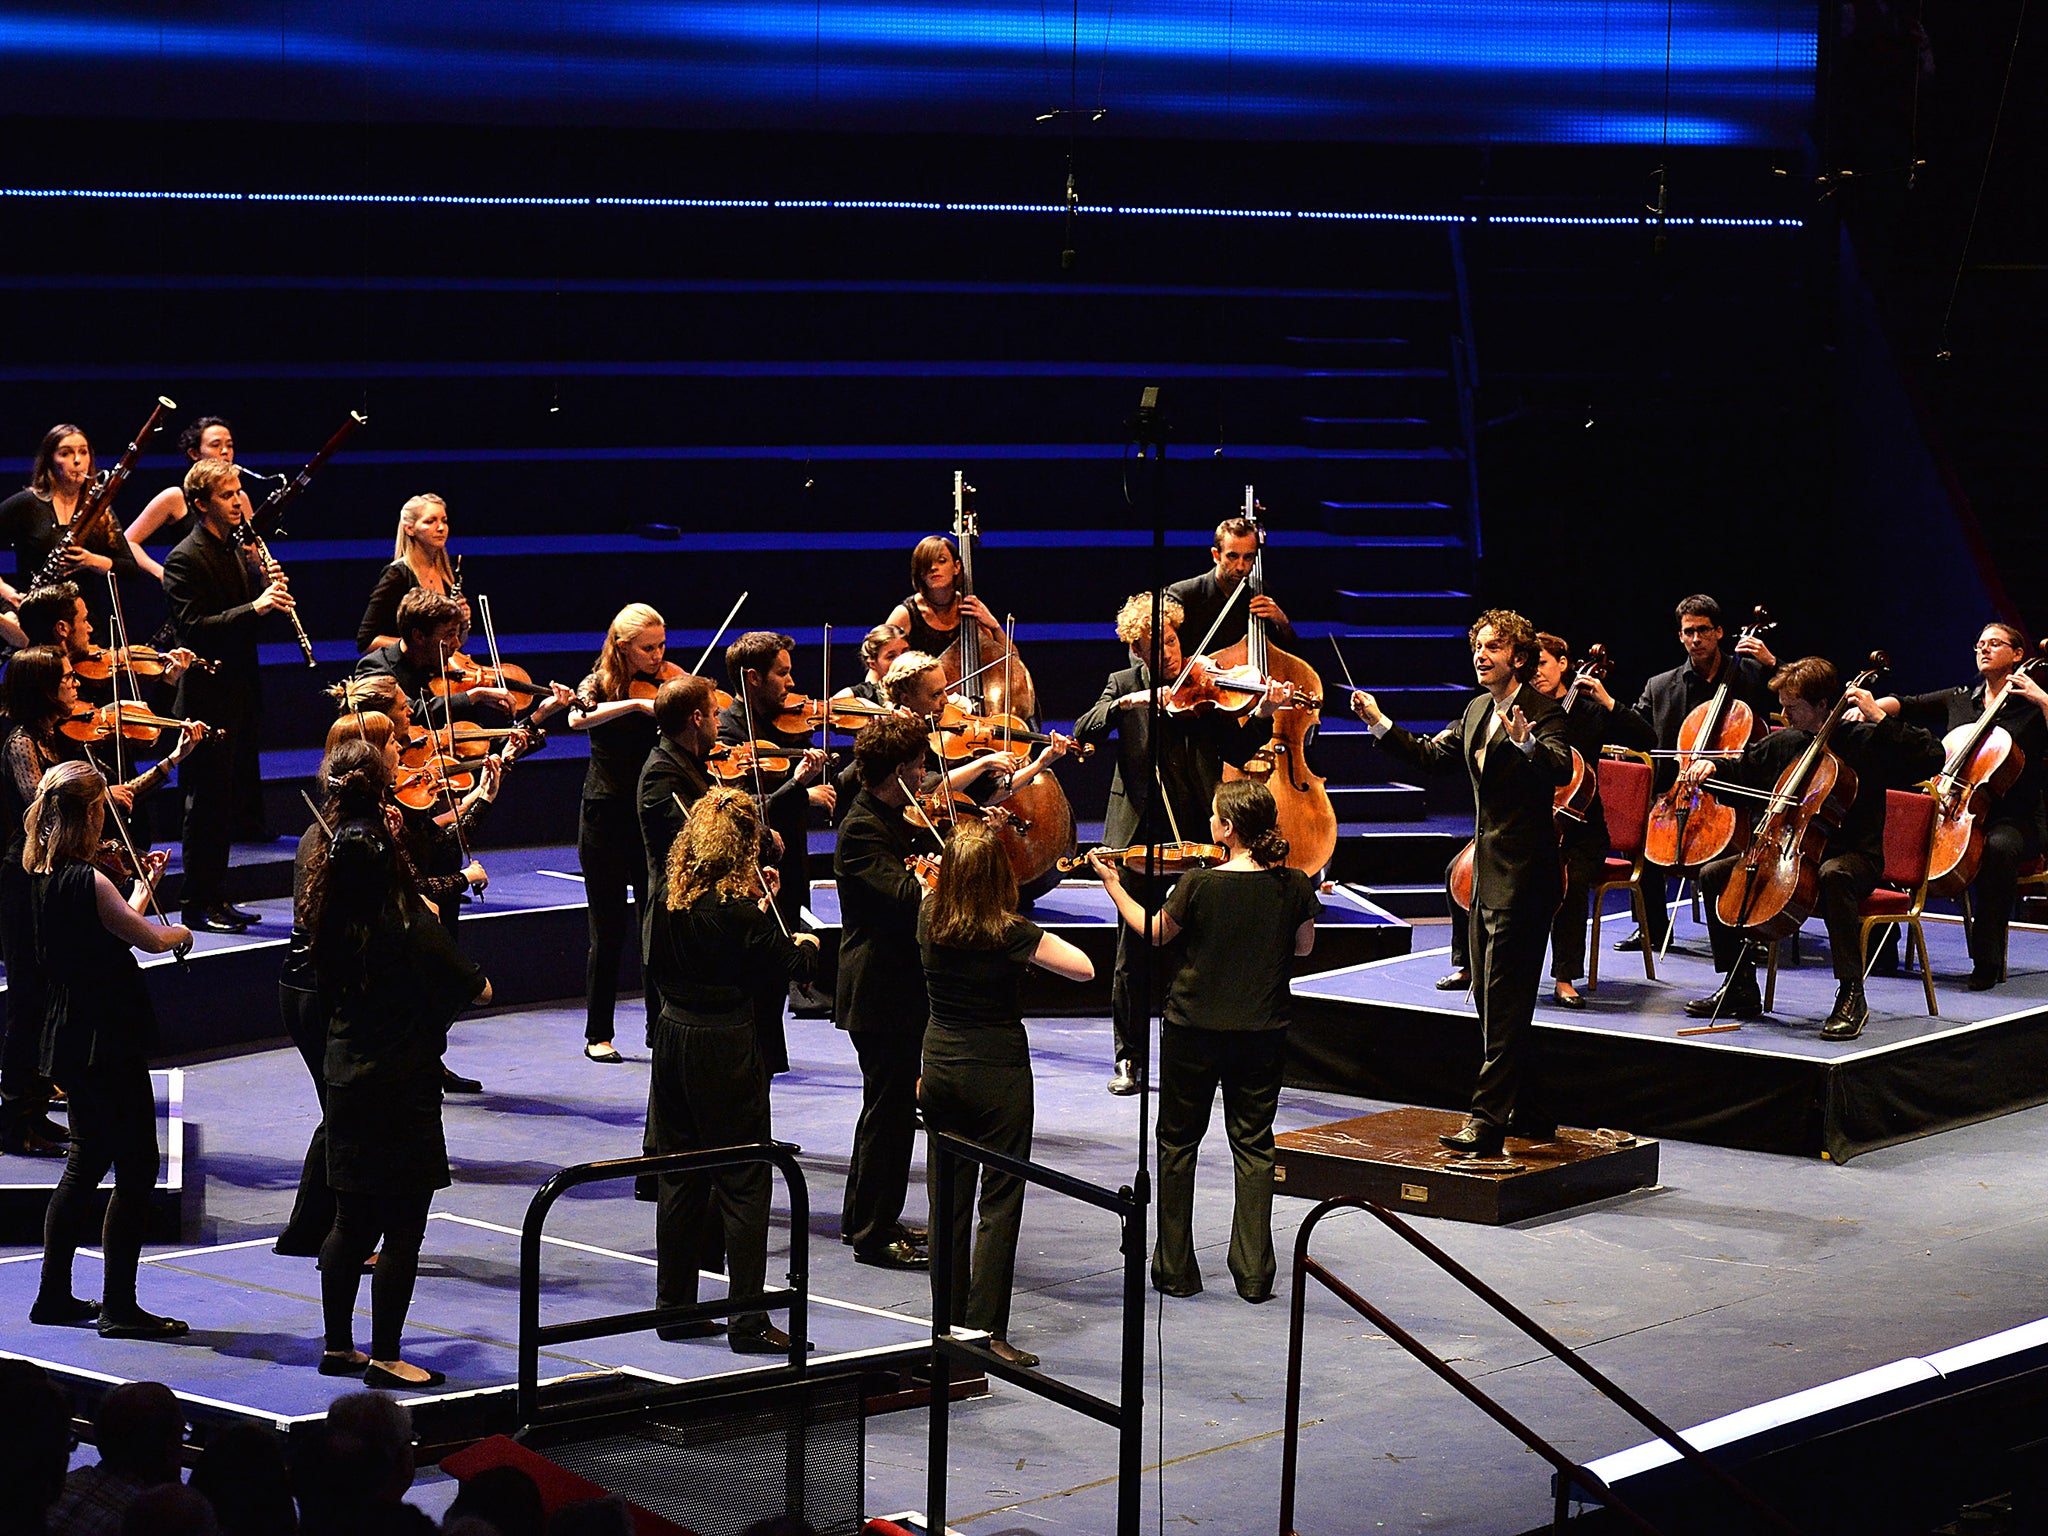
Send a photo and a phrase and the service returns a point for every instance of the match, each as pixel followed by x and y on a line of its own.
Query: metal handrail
pixel 1568 1472
pixel 1125 1417
pixel 532 1336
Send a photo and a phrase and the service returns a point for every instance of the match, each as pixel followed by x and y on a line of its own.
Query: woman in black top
pixel 98 1033
pixel 208 437
pixel 419 558
pixel 40 689
pixel 711 944
pixel 976 1082
pixel 33 521
pixel 355 777
pixel 608 841
pixel 390 980
pixel 1226 1022
pixel 930 616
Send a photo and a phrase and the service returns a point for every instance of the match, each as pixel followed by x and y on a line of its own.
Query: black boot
pixel 1737 999
pixel 1850 1015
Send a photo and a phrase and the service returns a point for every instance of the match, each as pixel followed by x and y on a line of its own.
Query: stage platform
pixel 26 1183
pixel 256 1331
pixel 1381 1029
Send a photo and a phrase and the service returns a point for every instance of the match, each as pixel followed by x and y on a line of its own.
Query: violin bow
pixel 141 869
pixel 825 687
pixel 720 634
pixel 1188 657
pixel 447 791
pixel 314 806
pixel 918 811
pixel 483 609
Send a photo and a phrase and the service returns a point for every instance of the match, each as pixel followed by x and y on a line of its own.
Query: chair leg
pixel 1771 978
pixel 1926 970
pixel 1642 910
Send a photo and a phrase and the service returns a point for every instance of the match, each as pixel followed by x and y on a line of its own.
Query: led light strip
pixel 884 205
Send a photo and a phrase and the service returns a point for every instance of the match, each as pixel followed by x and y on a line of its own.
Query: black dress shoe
pixel 1850 1015
pixel 1632 945
pixel 48 1129
pixel 213 919
pixel 62 1311
pixel 455 1082
pixel 893 1255
pixel 807 1002
pixel 705 1328
pixel 1010 1354
pixel 347 1364
pixel 769 1341
pixel 1983 977
pixel 1455 981
pixel 1475 1138
pixel 28 1142
pixel 390 1381
pixel 1567 999
pixel 1737 999
pixel 142 1325
pixel 246 918
pixel 913 1234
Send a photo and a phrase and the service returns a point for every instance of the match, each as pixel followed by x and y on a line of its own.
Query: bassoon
pixel 97 500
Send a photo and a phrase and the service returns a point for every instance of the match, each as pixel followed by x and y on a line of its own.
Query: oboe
pixel 253 541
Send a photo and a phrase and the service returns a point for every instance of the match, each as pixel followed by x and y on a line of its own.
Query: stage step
pixel 1409 901
pixel 1355 518
pixel 1441 610
pixel 1378 802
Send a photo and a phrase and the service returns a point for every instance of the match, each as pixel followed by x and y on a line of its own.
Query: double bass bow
pixel 1688 826
pixel 1307 820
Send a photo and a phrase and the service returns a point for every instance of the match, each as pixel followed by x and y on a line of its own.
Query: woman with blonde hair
pixel 608 840
pixel 419 558
pixel 976 1082
pixel 98 1032
pixel 712 944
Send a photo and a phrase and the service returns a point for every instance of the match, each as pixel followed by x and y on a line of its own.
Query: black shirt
pixel 977 1008
pixel 713 958
pixel 28 525
pixel 670 774
pixel 97 1011
pixel 880 984
pixel 1953 708
pixel 1237 940
pixel 381 616
pixel 1669 697
pixel 1201 599
pixel 395 1027
pixel 618 748
pixel 920 635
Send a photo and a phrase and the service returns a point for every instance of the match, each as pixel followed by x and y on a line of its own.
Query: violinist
pixel 1511 741
pixel 57 615
pixel 2013 831
pixel 432 627
pixel 34 519
pixel 1654 720
pixel 98 1039
pixel 1886 755
pixel 1205 596
pixel 40 690
pixel 879 649
pixel 1193 748
pixel 208 437
pixel 419 559
pixel 218 601
pixel 916 684
pixel 880 1000
pixel 931 616
pixel 609 847
pixel 713 948
pixel 674 777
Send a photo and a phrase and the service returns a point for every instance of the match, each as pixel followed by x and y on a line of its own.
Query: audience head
pixel 139 1429
pixel 36 1450
pixel 242 1473
pixel 172 1509
pixel 506 1499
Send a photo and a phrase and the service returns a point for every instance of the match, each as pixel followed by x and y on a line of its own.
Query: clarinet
pixel 251 540
pixel 98 498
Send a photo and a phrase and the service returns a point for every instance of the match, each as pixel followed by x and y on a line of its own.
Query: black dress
pixel 612 852
pixel 977 1085
pixel 381 616
pixel 28 526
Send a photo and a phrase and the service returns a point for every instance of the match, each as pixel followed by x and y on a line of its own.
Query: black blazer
pixel 211 592
pixel 1202 598
pixel 881 974
pixel 669 774
pixel 1516 861
pixel 1191 760
pixel 1667 698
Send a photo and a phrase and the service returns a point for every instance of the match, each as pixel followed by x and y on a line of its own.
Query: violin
pixel 847 712
pixel 925 866
pixel 111 859
pixel 1688 826
pixel 420 789
pixel 464 739
pixel 1172 858
pixel 732 762
pixel 464 673
pixel 131 720
pixel 646 685
pixel 99 663
pixel 958 735
pixel 1205 684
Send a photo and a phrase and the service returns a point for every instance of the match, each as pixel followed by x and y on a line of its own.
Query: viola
pixel 1981 763
pixel 1168 858
pixel 99 663
pixel 1775 886
pixel 131 720
pixel 1688 826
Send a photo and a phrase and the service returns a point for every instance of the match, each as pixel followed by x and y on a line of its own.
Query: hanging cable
pixel 1943 351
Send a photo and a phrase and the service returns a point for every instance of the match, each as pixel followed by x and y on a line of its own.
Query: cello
pixel 1688 826
pixel 1775 886
pixel 1039 830
pixel 1307 820
pixel 1981 764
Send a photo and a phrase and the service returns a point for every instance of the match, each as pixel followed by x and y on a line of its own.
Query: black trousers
pixel 113 1125
pixel 1844 881
pixel 1507 961
pixel 614 857
pixel 1128 1014
pixel 878 1175
pixel 1584 858
pixel 2007 845
pixel 708 1088
pixel 1247 1065
pixel 312 1215
pixel 361 1217
pixel 991 1106
pixel 24 1091
pixel 223 784
pixel 1656 888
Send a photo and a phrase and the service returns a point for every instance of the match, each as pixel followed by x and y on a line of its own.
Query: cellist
pixel 1886 755
pixel 1669 697
pixel 2013 831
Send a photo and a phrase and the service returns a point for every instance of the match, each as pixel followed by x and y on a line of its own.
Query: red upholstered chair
pixel 1626 793
pixel 1908 848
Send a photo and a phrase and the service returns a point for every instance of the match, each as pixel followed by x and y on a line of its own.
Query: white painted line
pixel 61 1369
pixel 559 874
pixel 193 1253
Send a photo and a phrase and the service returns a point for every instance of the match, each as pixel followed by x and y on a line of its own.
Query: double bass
pixel 1039 830
pixel 1307 820
pixel 1775 886
pixel 1981 764
pixel 1688 826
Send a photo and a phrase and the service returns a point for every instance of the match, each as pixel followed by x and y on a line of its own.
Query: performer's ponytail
pixel 1249 808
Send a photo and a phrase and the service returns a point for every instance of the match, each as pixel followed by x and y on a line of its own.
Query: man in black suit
pixel 1668 698
pixel 1203 597
pixel 880 997
pixel 671 781
pixel 217 601
pixel 429 631
pixel 1511 740
pixel 1192 751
